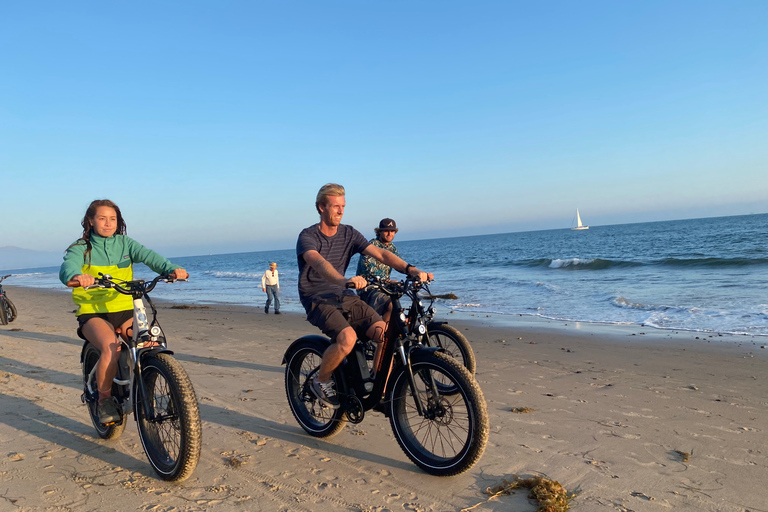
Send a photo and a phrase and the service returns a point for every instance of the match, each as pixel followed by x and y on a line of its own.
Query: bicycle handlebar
pixel 125 287
pixel 397 288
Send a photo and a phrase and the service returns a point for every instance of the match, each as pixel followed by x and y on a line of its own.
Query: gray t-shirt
pixel 337 250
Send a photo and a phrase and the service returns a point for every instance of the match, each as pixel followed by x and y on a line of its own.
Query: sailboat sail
pixel 579 225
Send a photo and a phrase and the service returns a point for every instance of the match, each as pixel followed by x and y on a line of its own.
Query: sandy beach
pixel 629 418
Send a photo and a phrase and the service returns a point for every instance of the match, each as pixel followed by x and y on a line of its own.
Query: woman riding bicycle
pixel 103 313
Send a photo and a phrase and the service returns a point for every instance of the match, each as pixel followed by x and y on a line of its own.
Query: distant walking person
pixel 270 283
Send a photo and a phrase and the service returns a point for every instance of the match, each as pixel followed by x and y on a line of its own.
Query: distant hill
pixel 12 258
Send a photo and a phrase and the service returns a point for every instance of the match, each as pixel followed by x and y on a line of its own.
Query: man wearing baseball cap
pixel 369 267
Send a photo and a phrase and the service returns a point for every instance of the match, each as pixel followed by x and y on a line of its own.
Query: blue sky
pixel 213 124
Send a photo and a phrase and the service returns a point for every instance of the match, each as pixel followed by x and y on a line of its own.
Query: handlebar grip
pixel 349 285
pixel 73 283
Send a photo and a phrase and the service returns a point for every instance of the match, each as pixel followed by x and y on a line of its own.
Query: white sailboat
pixel 579 225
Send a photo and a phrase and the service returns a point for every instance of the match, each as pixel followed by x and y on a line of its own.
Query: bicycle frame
pixel 401 340
pixel 142 331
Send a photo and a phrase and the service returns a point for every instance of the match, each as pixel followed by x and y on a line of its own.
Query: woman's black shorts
pixel 115 319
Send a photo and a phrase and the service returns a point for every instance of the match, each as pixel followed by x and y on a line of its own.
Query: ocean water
pixel 708 275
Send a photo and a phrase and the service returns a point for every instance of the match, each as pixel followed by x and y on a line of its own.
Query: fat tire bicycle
pixel 7 309
pixel 436 408
pixel 151 384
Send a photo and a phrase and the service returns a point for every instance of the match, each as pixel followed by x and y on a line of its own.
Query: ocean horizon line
pixel 405 239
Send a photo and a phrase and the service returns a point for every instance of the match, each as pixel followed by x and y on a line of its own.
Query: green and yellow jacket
pixel 114 256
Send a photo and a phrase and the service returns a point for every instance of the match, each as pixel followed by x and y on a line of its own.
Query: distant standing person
pixel 270 283
pixel 369 267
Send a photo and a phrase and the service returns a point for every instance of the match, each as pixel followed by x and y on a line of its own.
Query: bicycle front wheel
pixel 453 342
pixel 451 435
pixel 172 435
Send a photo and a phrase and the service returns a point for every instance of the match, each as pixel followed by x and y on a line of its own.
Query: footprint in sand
pixel 392 497
pixel 324 486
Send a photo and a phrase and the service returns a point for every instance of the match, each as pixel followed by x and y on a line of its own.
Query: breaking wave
pixel 602 264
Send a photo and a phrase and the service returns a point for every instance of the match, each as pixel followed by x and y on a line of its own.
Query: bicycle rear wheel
pixel 451 435
pixel 314 417
pixel 172 436
pixel 12 314
pixel 91 395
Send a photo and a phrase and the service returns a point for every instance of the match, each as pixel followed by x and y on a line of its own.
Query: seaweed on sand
pixel 549 494
pixel 522 410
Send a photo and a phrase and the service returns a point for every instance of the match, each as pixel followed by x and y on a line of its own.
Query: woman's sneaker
pixel 107 411
pixel 325 393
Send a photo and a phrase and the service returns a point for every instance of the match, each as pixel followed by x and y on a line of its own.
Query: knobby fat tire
pixel 467 389
pixel 184 402
pixel 325 422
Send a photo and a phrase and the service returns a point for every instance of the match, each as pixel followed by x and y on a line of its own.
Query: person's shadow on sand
pixel 265 427
pixel 59 431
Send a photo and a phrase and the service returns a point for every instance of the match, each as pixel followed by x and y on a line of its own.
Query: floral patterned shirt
pixel 369 266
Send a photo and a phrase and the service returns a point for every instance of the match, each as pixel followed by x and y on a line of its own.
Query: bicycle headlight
pixel 402 316
pixel 421 329
pixel 155 330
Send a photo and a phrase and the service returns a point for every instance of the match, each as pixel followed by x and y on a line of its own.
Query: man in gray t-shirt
pixel 323 252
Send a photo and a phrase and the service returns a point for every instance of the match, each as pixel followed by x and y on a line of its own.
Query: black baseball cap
pixel 387 225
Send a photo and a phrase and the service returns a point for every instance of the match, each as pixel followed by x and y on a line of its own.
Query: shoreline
pixel 498 320
pixel 609 413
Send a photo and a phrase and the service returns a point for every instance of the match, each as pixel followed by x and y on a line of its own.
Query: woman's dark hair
pixel 87 224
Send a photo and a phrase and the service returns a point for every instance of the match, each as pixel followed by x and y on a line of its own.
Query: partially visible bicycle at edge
pixel 149 383
pixel 438 333
pixel 7 310
pixel 436 408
